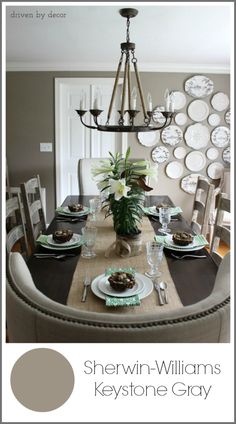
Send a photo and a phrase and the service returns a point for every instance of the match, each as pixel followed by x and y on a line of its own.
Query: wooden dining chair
pixel 202 206
pixel 221 231
pixel 33 209
pixel 87 185
pixel 16 238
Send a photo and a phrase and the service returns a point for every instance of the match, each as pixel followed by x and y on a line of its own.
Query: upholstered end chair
pixel 34 318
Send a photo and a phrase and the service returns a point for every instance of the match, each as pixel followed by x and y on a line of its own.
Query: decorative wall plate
pixel 227 117
pixel 220 101
pixel 148 139
pixel 198 110
pixel 179 99
pixel 174 169
pixel 214 119
pixel 197 136
pixel 220 136
pixel 195 161
pixel 226 155
pixel 189 183
pixel 157 115
pixel 181 118
pixel 160 154
pixel 172 135
pixel 215 170
pixel 212 153
pixel 199 86
pixel 179 152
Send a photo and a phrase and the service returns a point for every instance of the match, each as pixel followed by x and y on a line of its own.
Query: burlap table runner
pixel 96 266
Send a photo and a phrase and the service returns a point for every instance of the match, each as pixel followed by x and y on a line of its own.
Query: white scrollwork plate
pixel 199 86
pixel 214 119
pixel 197 136
pixel 157 115
pixel 189 183
pixel 220 136
pixel 172 135
pixel 148 139
pixel 179 99
pixel 226 155
pixel 160 154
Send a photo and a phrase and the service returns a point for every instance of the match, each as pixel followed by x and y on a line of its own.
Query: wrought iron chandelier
pixel 126 121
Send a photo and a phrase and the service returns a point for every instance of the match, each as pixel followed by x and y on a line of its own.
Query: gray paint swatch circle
pixel 42 380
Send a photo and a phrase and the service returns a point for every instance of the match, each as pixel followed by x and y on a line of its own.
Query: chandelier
pixel 126 117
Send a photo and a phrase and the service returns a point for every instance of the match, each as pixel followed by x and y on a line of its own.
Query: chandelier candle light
pixel 128 94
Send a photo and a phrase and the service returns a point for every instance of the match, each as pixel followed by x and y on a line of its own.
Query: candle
pixel 167 100
pixel 134 99
pixel 82 100
pixel 149 100
pixel 97 99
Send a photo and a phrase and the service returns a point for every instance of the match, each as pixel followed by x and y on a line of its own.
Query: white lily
pixel 119 188
pixel 149 172
pixel 102 170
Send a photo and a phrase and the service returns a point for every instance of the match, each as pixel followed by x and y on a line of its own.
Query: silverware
pixel 163 287
pixel 53 256
pixel 69 219
pixel 87 282
pixel 158 289
pixel 188 256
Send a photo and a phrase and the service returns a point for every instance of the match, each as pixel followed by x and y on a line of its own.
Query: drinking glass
pixel 154 257
pixel 164 218
pixel 95 206
pixel 89 238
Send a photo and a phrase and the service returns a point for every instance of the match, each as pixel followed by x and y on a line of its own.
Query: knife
pixel 157 287
pixel 87 282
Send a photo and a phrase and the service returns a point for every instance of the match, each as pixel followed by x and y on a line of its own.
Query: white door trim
pixel 59 84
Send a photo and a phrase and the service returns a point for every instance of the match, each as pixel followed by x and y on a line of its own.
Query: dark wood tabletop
pixel 193 278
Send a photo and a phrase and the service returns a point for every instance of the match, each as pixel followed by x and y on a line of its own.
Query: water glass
pixel 95 206
pixel 154 251
pixel 89 238
pixel 164 218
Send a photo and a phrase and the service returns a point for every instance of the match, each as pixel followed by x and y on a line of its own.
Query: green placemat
pixel 123 301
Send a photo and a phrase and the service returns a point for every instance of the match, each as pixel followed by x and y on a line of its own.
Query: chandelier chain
pixel 127 31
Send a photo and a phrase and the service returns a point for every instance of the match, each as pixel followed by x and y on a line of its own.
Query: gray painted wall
pixel 30 120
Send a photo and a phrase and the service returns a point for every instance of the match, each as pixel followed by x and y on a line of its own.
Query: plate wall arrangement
pixel 220 101
pixel 174 169
pixel 181 118
pixel 212 153
pixel 220 136
pixel 160 154
pixel 179 152
pixel 148 139
pixel 172 135
pixel 189 183
pixel 197 136
pixel 198 110
pixel 214 119
pixel 179 99
pixel 215 170
pixel 195 161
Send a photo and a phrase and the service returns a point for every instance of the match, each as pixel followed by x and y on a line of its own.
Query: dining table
pixel 193 278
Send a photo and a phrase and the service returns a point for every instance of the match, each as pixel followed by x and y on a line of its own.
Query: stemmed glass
pixel 154 251
pixel 95 206
pixel 164 218
pixel 89 238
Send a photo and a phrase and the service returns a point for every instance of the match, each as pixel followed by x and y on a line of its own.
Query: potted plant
pixel 123 182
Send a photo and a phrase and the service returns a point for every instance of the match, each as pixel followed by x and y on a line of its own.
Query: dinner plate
pixel 197 136
pixel 157 115
pixel 214 119
pixel 104 287
pixel 152 211
pixel 226 155
pixel 148 139
pixel 179 99
pixel 212 153
pixel 220 101
pixel 181 118
pixel 227 117
pixel 189 183
pixel 220 136
pixel 174 169
pixel 195 161
pixel 199 86
pixel 169 244
pixel 60 248
pixel 172 135
pixel 147 290
pixel 76 238
pixel 179 152
pixel 215 170
pixel 160 154
pixel 198 110
pixel 67 211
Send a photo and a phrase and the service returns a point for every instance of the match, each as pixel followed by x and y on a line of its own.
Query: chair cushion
pixel 19 271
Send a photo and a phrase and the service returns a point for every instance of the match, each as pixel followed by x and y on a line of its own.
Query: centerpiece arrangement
pixel 123 184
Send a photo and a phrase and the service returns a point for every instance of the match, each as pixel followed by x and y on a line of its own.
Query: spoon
pixel 163 287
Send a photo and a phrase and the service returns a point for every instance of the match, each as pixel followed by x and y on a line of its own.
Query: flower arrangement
pixel 123 183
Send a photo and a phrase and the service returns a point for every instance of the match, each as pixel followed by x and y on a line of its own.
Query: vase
pixel 128 245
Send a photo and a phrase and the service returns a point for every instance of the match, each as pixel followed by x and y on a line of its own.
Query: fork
pixel 87 282
pixel 188 256
pixel 48 256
